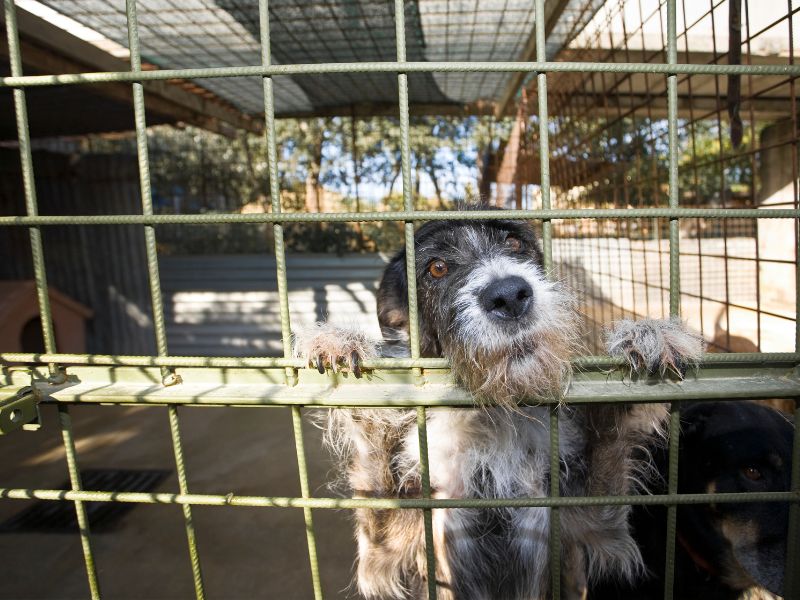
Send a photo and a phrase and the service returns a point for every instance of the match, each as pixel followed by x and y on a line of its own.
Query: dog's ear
pixel 695 417
pixel 393 297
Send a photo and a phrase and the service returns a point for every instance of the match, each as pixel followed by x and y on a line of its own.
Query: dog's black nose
pixel 507 299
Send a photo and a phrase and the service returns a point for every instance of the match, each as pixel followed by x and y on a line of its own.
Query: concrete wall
pixel 776 237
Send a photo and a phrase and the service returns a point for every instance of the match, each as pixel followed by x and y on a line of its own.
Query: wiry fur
pixel 498 450
pixel 657 345
pixel 499 366
pixel 335 345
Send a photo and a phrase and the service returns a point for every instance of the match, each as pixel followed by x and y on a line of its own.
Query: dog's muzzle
pixel 507 299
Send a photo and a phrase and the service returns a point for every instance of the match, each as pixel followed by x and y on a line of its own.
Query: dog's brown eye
pixel 752 473
pixel 438 268
pixel 513 244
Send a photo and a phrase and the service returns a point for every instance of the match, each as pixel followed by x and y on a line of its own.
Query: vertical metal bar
pixel 80 511
pixel 168 376
pixel 648 102
pixel 40 277
pixel 672 118
pixel 411 276
pixel 625 224
pixel 29 184
pixel 144 182
pixel 674 288
pixel 791 568
pixel 672 486
pixel 280 261
pixel 408 200
pixel 754 167
pixel 544 142
pixel 795 185
pixel 627 200
pixel 424 471
pixel 791 576
pixel 555 520
pixel 274 187
pixel 544 159
pixel 183 486
pixel 695 173
pixel 297 425
pixel 720 165
pixel 547 248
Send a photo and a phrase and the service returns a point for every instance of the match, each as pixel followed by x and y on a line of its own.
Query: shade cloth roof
pixel 177 34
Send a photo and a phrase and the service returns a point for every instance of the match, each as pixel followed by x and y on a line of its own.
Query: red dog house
pixel 20 323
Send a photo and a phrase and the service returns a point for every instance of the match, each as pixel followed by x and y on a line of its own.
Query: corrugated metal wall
pixel 228 305
pixel 101 267
pixel 215 305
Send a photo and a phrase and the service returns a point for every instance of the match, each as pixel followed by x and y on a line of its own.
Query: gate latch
pixel 20 411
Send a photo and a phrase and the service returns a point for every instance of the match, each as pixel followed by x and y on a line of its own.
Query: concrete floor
pixel 244 552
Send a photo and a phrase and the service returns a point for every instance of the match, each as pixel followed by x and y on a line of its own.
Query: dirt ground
pixel 244 552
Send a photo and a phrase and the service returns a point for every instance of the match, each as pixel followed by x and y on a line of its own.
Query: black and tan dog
pixel 722 548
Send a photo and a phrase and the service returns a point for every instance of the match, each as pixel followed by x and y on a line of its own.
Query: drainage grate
pixel 47 516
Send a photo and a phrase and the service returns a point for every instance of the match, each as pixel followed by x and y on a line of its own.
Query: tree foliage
pixel 339 163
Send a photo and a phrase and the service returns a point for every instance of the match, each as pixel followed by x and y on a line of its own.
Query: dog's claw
pixel 656 346
pixel 354 366
pixel 335 348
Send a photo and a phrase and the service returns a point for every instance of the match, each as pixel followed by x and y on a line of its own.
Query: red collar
pixel 696 556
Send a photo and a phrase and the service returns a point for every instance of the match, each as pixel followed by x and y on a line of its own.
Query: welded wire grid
pixel 666 73
pixel 621 266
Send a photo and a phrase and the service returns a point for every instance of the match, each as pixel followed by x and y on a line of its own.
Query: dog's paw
pixel 334 346
pixel 655 345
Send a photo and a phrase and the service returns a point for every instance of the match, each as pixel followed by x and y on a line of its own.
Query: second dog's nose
pixel 507 299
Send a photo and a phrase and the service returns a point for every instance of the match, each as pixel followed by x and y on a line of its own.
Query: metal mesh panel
pixel 729 267
pixel 415 382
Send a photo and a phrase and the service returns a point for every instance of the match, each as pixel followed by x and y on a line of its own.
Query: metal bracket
pixel 20 411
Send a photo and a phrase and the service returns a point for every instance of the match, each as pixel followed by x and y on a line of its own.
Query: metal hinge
pixel 20 411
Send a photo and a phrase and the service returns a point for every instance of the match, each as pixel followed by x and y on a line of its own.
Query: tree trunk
pixel 314 201
pixel 436 189
pixel 394 179
pixel 484 166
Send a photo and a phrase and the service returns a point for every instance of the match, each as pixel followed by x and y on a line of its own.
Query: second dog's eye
pixel 438 269
pixel 752 473
pixel 513 244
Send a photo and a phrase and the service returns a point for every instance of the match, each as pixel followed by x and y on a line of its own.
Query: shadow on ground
pixel 244 552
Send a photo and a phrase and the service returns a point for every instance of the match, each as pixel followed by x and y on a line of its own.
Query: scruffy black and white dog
pixel 486 304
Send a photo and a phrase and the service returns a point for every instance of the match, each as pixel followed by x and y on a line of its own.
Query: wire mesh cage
pixel 729 134
pixel 676 224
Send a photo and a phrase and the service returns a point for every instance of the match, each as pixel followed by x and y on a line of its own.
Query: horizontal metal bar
pixel 390 503
pixel 732 257
pixel 750 359
pixel 397 67
pixel 260 362
pixel 392 389
pixel 417 215
pixel 256 362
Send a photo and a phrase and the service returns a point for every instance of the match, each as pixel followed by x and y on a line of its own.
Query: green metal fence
pixel 416 382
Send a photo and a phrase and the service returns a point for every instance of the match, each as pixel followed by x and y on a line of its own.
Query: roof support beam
pixel 50 49
pixel 552 11
pixel 389 109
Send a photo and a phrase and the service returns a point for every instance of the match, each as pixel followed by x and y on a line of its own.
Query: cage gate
pixel 415 383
